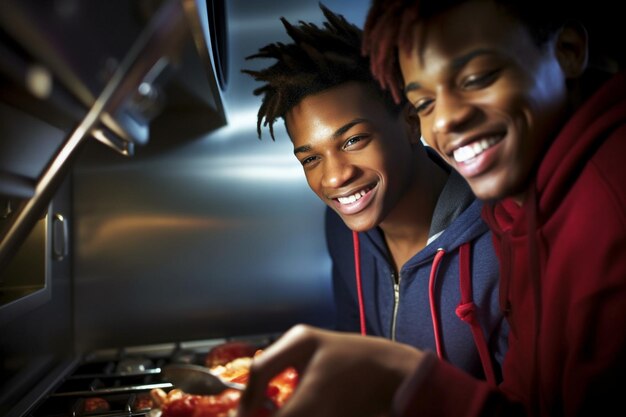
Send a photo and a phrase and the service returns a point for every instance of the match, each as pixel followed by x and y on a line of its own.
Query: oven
pixel 141 219
pixel 118 382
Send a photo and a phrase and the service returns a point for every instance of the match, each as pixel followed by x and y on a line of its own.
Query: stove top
pixel 117 382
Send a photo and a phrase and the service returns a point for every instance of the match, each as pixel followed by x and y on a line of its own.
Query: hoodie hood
pixel 579 139
pixel 456 220
pixel 538 241
pixel 455 228
pixel 420 307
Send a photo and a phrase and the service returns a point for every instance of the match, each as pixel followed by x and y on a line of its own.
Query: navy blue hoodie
pixel 409 319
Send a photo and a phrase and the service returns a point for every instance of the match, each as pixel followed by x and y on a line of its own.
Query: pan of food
pixel 229 362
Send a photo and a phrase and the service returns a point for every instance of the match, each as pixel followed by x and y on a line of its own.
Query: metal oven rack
pixel 117 382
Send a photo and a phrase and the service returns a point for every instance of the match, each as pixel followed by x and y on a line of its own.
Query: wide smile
pixel 354 197
pixel 354 201
pixel 466 153
pixel 477 156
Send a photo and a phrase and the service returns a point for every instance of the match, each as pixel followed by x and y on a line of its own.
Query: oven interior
pixel 117 382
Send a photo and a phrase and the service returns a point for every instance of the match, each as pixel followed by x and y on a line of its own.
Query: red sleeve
pixel 438 389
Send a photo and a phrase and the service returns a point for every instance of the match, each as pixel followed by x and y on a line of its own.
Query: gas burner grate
pixel 117 382
pixel 135 404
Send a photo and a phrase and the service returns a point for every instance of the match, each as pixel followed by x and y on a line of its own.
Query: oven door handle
pixel 60 237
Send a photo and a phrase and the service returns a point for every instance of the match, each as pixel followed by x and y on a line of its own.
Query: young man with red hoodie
pixel 510 94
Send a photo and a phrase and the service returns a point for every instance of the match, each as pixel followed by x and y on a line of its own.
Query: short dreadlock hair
pixel 389 25
pixel 318 59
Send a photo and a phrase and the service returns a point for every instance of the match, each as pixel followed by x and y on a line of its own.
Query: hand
pixel 341 374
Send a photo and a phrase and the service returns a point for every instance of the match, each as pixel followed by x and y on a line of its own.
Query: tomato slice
pixel 95 404
pixel 225 404
pixel 227 352
pixel 203 405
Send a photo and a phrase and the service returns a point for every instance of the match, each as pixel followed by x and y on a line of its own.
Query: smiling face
pixel 357 156
pixel 488 98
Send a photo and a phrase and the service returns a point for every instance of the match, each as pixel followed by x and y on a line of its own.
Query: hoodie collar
pixel 585 131
pixel 577 140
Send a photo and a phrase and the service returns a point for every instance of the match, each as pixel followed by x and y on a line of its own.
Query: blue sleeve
pixel 340 249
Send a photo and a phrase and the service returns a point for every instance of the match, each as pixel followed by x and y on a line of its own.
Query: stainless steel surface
pixel 205 233
pixel 197 380
pixel 115 390
pixel 205 236
pixel 37 342
pixel 60 237
pixel 161 41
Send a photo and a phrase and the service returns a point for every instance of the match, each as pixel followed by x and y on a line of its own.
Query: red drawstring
pixel 431 300
pixel 359 290
pixel 466 311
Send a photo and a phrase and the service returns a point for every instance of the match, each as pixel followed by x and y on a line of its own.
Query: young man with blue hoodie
pixel 412 260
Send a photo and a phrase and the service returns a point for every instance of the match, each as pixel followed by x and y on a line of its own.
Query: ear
pixel 572 49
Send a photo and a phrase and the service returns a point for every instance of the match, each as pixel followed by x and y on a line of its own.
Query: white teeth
pixel 351 199
pixel 465 153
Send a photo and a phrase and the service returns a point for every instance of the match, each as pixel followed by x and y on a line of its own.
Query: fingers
pixel 294 349
pixel 339 374
pixel 304 402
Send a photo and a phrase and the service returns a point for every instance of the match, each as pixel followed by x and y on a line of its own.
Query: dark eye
pixel 422 106
pixel 308 160
pixel 480 80
pixel 355 141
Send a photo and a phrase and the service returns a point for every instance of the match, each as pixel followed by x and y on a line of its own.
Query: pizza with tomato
pixel 231 361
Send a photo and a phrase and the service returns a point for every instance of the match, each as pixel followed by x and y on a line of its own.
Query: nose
pixel 337 172
pixel 452 112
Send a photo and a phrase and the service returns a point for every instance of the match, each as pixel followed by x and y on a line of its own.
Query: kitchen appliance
pixel 140 216
pixel 117 382
pixel 113 103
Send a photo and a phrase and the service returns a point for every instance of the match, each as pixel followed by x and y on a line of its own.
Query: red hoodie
pixel 563 285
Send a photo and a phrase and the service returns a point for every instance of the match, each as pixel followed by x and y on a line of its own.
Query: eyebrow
pixel 454 65
pixel 337 133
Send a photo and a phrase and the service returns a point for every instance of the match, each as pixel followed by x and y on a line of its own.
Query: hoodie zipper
pixel 395 280
pixel 396 302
